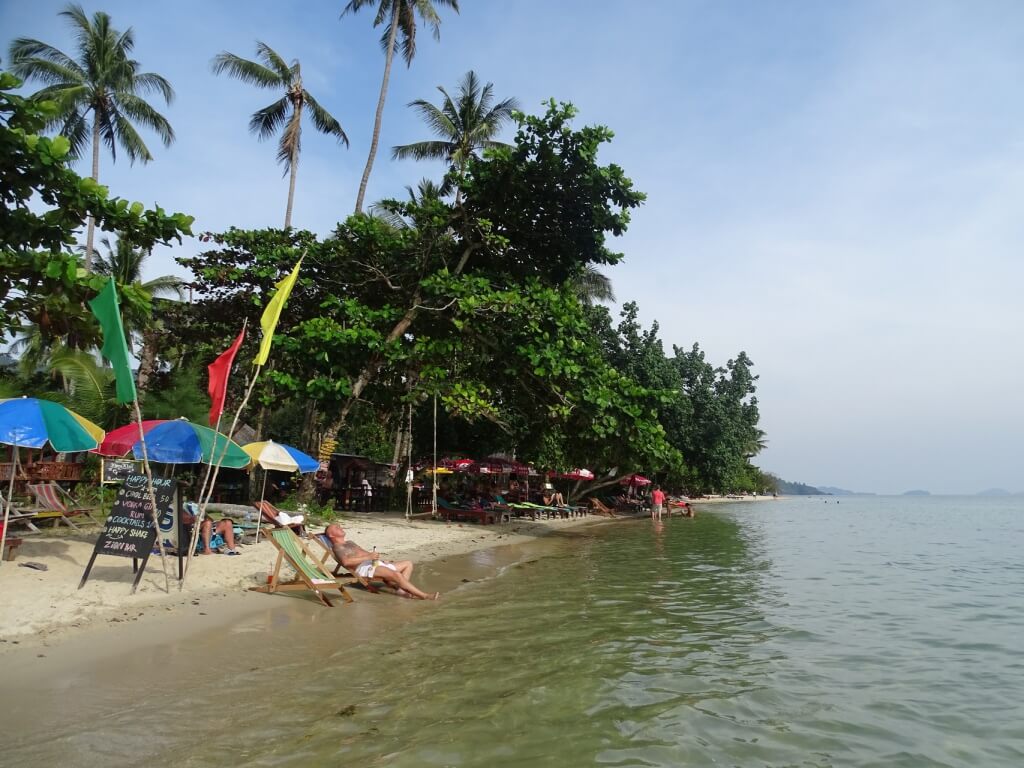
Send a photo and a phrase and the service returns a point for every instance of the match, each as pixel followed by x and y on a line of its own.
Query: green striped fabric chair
pixel 310 574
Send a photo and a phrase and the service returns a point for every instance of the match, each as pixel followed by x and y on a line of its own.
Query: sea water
pixel 858 631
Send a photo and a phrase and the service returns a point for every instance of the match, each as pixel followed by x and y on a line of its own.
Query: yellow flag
pixel 273 313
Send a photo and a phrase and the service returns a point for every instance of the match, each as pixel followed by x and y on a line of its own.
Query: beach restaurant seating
pixel 53 502
pixel 310 574
pixel 448 511
pixel 19 516
pixel 339 570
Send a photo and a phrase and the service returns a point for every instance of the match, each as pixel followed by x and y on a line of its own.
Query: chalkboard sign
pixel 129 530
pixel 117 470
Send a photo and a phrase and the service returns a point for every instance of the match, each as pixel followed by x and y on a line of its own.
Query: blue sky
pixel 832 187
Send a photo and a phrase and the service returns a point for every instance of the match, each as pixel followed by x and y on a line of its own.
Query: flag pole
pixel 152 495
pixel 213 476
pixel 268 322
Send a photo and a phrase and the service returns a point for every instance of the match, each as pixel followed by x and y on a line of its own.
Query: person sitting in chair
pixel 219 536
pixel 551 497
pixel 367 565
pixel 271 514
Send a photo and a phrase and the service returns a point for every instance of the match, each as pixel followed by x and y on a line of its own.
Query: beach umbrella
pixel 281 458
pixel 27 422
pixel 576 474
pixel 176 441
pixel 635 480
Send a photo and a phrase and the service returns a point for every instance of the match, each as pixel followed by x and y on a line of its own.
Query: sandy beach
pixel 41 607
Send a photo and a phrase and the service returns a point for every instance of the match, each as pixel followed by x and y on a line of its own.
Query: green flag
pixel 115 347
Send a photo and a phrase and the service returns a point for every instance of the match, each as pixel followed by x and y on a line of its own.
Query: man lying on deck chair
pixel 366 565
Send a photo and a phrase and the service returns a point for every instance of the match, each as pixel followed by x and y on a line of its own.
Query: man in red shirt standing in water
pixel 657 502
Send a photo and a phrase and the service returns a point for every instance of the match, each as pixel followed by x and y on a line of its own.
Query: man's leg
pixel 205 531
pixel 398 581
pixel 227 529
pixel 404 567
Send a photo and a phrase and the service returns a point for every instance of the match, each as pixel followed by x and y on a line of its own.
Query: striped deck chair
pixel 339 571
pixel 53 502
pixel 310 575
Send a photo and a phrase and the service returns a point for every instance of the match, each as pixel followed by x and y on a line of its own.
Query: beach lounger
pixel 600 508
pixel 448 511
pixel 53 502
pixel 270 515
pixel 339 571
pixel 310 574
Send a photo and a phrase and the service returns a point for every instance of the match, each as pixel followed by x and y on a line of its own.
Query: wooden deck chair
pixel 54 502
pixel 19 516
pixel 310 575
pixel 600 507
pixel 339 571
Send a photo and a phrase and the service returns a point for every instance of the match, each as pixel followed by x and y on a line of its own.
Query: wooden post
pixel 8 500
pixel 152 500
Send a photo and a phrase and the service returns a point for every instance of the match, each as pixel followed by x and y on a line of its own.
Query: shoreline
pixel 42 609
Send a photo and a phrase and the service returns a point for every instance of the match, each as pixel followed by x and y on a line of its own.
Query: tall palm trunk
pixel 291 190
pixel 95 177
pixel 380 110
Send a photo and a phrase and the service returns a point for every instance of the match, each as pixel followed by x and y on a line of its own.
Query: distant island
pixel 994 492
pixel 916 493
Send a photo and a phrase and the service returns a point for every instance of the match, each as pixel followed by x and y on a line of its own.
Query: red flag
pixel 220 369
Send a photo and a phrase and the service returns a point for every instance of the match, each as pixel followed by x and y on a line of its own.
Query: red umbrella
pixel 576 474
pixel 635 480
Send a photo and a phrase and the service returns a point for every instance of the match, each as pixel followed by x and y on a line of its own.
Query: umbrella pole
pixel 259 512
pixel 433 478
pixel 209 467
pixel 152 496
pixel 7 505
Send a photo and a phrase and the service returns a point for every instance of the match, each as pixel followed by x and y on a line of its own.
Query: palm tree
pixel 592 285
pixel 125 264
pixel 400 18
pixel 465 126
pixel 103 81
pixel 271 71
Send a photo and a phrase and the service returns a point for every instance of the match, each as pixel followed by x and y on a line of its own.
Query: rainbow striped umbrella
pixel 29 422
pixel 280 457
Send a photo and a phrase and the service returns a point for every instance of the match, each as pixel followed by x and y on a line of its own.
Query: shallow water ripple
pixel 794 633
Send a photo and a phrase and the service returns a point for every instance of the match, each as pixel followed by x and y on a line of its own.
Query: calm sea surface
pixel 869 632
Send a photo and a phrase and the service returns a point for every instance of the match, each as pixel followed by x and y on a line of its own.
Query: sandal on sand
pixel 232 552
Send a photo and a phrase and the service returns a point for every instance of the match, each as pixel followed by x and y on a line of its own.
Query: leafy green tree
pixel 285 114
pixel 464 126
pixel 102 83
pixel 399 18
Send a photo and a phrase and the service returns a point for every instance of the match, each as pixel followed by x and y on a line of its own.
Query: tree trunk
pixel 95 177
pixel 380 110
pixel 147 363
pixel 294 163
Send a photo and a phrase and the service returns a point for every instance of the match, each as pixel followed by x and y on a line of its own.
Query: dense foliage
pixel 475 293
